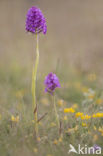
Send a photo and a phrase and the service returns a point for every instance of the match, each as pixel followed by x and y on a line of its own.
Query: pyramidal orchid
pixel 36 24
pixel 51 82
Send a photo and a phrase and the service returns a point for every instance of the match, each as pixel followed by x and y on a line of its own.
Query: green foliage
pixel 17 125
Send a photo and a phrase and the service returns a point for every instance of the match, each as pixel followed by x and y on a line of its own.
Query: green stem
pixel 56 114
pixel 34 77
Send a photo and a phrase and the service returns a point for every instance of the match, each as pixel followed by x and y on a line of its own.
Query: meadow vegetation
pixel 73 50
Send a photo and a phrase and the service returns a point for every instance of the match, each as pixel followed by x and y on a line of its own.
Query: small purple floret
pixel 51 82
pixel 35 21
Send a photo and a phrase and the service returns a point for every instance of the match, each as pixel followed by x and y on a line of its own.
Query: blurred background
pixel 74 37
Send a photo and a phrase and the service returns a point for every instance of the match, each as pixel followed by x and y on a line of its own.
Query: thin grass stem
pixel 34 77
pixel 56 114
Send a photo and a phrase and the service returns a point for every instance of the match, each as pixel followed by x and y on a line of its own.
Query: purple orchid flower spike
pixel 35 21
pixel 51 83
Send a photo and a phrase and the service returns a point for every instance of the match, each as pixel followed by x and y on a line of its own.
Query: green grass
pixel 18 138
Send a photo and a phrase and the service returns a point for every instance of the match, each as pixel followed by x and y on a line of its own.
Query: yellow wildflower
pixel 12 118
pixel 99 115
pixel 84 124
pixel 85 117
pixel 55 142
pixel 78 114
pixel 94 115
pixel 15 119
pixel 102 115
pixel 69 110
